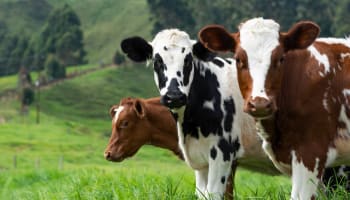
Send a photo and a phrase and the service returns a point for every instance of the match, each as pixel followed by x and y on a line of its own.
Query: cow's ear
pixel 112 110
pixel 202 53
pixel 216 38
pixel 300 36
pixel 139 108
pixel 137 49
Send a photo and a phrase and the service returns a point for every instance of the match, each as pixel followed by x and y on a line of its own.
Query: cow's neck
pixel 202 92
pixel 164 134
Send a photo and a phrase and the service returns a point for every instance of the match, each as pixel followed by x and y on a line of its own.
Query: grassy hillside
pixel 105 23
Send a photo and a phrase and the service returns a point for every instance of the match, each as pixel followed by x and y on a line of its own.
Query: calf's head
pixel 259 49
pixel 128 127
pixel 171 52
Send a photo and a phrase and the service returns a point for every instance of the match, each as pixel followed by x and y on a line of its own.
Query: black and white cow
pixel 197 86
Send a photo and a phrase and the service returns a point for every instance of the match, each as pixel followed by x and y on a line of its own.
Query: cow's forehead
pixel 170 39
pixel 259 36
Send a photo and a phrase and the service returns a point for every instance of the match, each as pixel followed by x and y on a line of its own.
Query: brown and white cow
pixel 298 89
pixel 137 122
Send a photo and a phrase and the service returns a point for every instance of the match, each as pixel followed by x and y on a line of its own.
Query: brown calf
pixel 298 89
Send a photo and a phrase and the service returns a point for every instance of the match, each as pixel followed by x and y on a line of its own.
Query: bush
pixel 54 69
pixel 27 96
pixel 118 58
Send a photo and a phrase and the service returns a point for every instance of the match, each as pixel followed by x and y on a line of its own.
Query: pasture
pixel 62 157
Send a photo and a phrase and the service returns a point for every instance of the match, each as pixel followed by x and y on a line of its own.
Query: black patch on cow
pixel 183 50
pixel 202 53
pixel 188 65
pixel 137 49
pixel 228 147
pixel 165 49
pixel 218 62
pixel 178 73
pixel 213 153
pixel 229 107
pixel 159 68
pixel 228 61
pixel 203 88
pixel 174 85
pixel 223 178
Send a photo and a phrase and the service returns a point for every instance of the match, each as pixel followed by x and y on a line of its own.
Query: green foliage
pixel 63 37
pixel 171 14
pixel 54 69
pixel 118 58
pixel 27 96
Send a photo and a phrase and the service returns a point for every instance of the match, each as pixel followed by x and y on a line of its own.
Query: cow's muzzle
pixel 174 99
pixel 260 107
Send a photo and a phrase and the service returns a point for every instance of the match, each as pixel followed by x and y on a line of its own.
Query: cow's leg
pixel 201 182
pixel 305 181
pixel 231 181
pixel 219 171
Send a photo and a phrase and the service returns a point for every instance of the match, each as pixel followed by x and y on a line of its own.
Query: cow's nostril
pixel 108 155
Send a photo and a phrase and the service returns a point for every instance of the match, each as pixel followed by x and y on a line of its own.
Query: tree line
pixel 331 15
pixel 58 44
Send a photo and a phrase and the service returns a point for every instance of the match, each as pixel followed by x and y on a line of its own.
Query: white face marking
pixel 331 156
pixel 178 44
pixel 322 59
pixel 259 37
pixel 117 112
pixel 304 181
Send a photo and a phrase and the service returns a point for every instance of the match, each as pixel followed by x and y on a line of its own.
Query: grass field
pixel 62 157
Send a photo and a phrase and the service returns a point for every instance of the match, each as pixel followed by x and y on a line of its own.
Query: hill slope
pixel 104 23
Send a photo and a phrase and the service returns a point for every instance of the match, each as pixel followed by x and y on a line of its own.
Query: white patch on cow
pixel 331 156
pixel 343 41
pixel 117 113
pixel 209 104
pixel 259 37
pixel 178 44
pixel 341 171
pixel 344 55
pixel 305 182
pixel 325 101
pixel 322 59
pixel 343 118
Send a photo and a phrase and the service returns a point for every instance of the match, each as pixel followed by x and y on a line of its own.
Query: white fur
pixel 344 41
pixel 322 59
pixel 259 37
pixel 305 182
pixel 209 104
pixel 331 156
pixel 117 113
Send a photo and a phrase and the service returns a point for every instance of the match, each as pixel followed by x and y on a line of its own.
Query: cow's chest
pixel 196 149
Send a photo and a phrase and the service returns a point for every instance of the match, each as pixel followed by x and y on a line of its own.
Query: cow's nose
pixel 174 99
pixel 259 107
pixel 108 155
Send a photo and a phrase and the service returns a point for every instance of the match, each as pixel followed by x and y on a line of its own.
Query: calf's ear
pixel 137 49
pixel 112 110
pixel 300 36
pixel 216 38
pixel 139 108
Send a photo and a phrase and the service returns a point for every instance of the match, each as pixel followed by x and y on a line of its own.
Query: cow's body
pixel 200 94
pixel 298 92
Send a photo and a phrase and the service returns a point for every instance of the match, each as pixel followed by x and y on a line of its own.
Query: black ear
pixel 202 53
pixel 137 49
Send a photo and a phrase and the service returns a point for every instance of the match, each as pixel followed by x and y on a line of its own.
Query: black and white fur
pixel 199 88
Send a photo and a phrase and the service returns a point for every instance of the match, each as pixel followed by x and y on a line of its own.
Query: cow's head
pixel 172 54
pixel 259 48
pixel 128 130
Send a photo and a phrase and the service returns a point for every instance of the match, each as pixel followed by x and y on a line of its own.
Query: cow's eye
pixel 124 124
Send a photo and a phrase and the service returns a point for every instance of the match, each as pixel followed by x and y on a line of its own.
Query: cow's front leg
pixel 306 175
pixel 201 182
pixel 219 171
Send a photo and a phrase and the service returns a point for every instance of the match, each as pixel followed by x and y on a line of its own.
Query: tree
pixel 171 14
pixel 63 37
pixel 341 23
pixel 53 68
